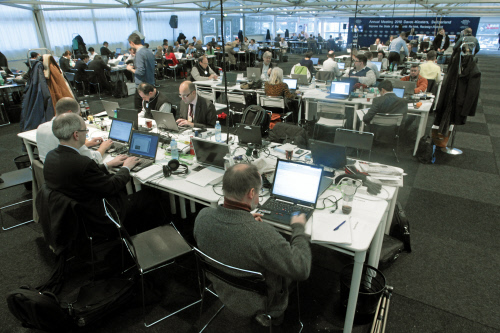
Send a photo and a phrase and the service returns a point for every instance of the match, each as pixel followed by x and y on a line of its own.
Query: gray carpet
pixel 447 284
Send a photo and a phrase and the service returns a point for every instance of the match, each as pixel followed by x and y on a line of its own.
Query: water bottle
pixel 173 150
pixel 218 137
pixel 82 110
pixel 313 82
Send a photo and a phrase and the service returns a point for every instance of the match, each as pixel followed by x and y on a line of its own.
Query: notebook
pixel 292 84
pixel 166 121
pixel 130 115
pixel 328 154
pixel 144 146
pixel 253 73
pixel 210 153
pixel 110 108
pixel 236 49
pixel 339 90
pixel 400 92
pixel 296 187
pixel 231 79
pixel 409 86
pixel 120 133
pixel 249 134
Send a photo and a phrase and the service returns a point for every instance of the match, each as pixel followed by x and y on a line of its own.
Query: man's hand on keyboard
pixel 301 218
pixel 93 142
pixel 131 162
pixel 117 161
pixel 105 145
pixel 257 216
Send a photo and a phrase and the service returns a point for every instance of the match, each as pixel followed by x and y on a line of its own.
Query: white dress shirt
pixel 47 141
pixel 330 65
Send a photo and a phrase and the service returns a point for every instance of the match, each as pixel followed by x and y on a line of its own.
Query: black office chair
pixel 354 139
pixel 171 67
pixel 93 82
pixel 10 179
pixel 385 128
pixel 152 250
pixel 251 281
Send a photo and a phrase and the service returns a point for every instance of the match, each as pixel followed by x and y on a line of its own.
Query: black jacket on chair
pixel 81 179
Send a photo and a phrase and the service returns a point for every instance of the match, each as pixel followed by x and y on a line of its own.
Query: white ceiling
pixel 316 8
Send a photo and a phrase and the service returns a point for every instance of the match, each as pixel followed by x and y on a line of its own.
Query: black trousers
pixel 393 57
pixel 137 100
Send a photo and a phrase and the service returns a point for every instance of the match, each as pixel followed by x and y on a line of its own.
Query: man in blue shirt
pixel 395 48
pixel 144 70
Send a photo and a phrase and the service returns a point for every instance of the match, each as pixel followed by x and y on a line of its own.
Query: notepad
pixel 148 173
pixel 324 225
pixel 206 176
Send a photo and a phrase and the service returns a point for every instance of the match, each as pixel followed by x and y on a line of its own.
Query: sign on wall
pixel 368 29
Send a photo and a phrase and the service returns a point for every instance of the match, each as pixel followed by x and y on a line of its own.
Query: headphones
pixel 172 167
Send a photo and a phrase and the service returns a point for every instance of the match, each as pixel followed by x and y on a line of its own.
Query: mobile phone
pixel 299 151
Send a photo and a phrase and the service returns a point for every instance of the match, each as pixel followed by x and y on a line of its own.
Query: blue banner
pixel 367 29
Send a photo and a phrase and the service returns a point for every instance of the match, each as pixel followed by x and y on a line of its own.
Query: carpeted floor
pixel 447 284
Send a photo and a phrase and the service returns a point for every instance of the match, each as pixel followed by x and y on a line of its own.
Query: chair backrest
pixel 325 76
pixel 326 109
pixel 302 70
pixel 431 83
pixel 205 92
pixel 272 102
pixel 239 278
pixel 353 139
pixel 387 119
pixel 236 97
pixel 70 76
pixel 169 62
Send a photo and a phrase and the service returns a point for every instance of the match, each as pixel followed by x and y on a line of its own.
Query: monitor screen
pixel 120 130
pixel 340 88
pixel 292 83
pixel 143 144
pixel 431 38
pixel 341 65
pixel 297 181
pixel 118 50
pixel 236 49
pixel 378 64
pixel 400 92
pixel 315 61
pixel 452 38
pixel 209 152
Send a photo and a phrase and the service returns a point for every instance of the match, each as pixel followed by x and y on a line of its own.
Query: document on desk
pixel 328 228
pixel 206 176
pixel 148 173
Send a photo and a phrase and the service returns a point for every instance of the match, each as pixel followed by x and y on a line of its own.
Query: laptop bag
pixel 255 115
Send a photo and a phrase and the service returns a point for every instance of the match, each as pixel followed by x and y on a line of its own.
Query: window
pixel 286 23
pixel 258 25
pixel 488 35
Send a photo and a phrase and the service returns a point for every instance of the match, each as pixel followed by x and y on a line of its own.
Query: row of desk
pixel 374 213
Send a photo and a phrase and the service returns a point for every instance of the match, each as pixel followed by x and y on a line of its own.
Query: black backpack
pixel 40 310
pixel 256 116
pixel 120 90
pixel 426 150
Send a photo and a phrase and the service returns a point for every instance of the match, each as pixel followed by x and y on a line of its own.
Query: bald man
pixel 195 111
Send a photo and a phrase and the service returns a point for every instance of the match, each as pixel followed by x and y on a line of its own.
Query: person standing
pixel 144 70
pixel 395 49
pixel 441 42
pixel 468 38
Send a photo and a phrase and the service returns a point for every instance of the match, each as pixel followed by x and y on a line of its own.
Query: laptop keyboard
pixel 286 208
pixel 143 163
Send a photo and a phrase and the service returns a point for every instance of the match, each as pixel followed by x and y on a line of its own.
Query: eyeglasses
pixel 185 95
pixel 85 130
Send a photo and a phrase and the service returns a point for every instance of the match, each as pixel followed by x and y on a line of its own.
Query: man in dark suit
pixel 64 62
pixel 105 51
pixel 80 178
pixel 100 73
pixel 195 111
pixel 81 66
pixel 387 103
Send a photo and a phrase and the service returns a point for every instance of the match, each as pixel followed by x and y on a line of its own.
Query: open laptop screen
pixel 143 144
pixel 340 88
pixel 341 65
pixel 297 181
pixel 120 130
pixel 210 153
pixel 315 61
pixel 118 51
pixel 378 64
pixel 292 83
pixel 400 92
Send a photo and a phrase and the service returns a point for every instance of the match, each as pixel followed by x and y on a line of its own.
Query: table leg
pixel 29 150
pixel 421 129
pixel 355 117
pixel 173 209
pixel 390 215
pixel 376 246
pixel 192 205
pixel 359 259
pixel 182 203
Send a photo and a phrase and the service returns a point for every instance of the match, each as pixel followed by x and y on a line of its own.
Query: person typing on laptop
pixel 248 243
pixel 364 73
pixel 201 70
pixel 47 141
pixel 387 103
pixel 152 99
pixel 416 77
pixel 195 111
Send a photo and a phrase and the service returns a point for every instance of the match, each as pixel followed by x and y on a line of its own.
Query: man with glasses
pixel 266 65
pixel 421 82
pixel 195 111
pixel 201 70
pixel 46 140
pixel 364 74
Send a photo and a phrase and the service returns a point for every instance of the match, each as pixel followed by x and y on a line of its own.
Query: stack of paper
pixel 209 175
pixel 148 173
pixel 324 225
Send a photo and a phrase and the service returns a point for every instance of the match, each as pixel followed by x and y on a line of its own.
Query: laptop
pixel 249 134
pixel 231 79
pixel 295 188
pixel 253 73
pixel 236 49
pixel 315 61
pixel 110 108
pixel 128 114
pixel 144 146
pixel 341 65
pixel 339 90
pixel 378 64
pixel 328 154
pixel 166 121
pixel 400 92
pixel 120 133
pixel 209 153
pixel 301 79
pixel 409 86
pixel 292 84
pixel 118 51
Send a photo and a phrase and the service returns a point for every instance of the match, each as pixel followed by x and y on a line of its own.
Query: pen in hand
pixel 337 228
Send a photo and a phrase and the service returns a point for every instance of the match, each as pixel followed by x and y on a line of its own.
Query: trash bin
pixel 371 287
pixel 23 162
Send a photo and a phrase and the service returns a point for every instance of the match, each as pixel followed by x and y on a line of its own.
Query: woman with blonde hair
pixel 275 85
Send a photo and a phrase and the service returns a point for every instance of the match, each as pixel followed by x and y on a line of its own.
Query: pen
pixel 337 228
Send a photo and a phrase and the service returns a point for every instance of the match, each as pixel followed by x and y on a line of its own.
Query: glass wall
pixel 258 25
pixel 334 28
pixel 283 23
pixel 488 34
pixel 211 27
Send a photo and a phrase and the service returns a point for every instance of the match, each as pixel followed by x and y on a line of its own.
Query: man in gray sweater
pixel 234 236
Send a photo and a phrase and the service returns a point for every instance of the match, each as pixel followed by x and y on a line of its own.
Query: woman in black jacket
pixel 438 45
pixel 64 62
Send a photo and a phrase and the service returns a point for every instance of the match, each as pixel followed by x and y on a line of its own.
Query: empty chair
pixel 206 92
pixel 324 76
pixel 330 117
pixel 11 179
pixel 386 128
pixel 354 139
pixel 247 280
